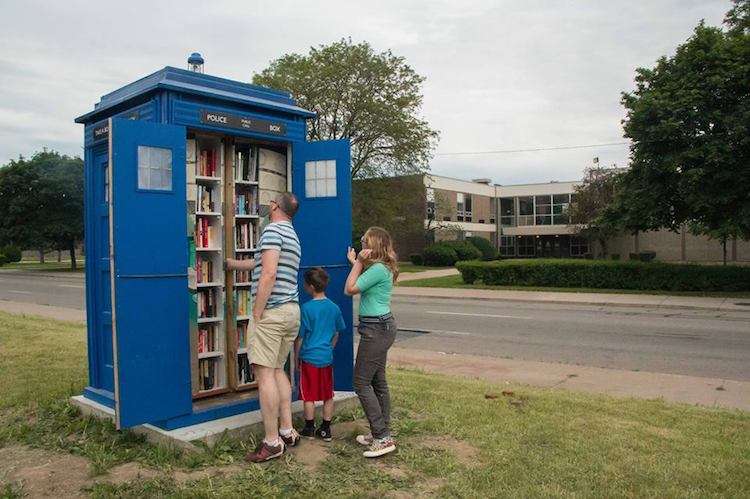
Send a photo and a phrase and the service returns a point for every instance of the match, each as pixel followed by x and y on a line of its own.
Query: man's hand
pixel 230 264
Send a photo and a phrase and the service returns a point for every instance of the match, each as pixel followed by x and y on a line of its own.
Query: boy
pixel 321 320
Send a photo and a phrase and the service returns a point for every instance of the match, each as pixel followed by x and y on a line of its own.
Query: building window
pixel 446 219
pixel 526 210
pixel 579 246
pixel 493 209
pixel 507 246
pixel 508 212
pixel 526 245
pixel 467 208
pixel 543 210
pixel 560 204
pixel 430 196
pixel 154 168
pixel 320 179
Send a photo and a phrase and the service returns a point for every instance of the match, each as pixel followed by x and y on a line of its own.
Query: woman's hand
pixel 364 255
pixel 351 255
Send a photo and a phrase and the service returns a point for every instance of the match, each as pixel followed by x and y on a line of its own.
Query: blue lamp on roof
pixel 195 62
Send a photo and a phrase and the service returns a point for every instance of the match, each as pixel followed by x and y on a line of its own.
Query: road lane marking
pixel 19 292
pixel 77 286
pixel 477 315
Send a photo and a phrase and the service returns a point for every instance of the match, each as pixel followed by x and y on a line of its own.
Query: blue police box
pixel 178 167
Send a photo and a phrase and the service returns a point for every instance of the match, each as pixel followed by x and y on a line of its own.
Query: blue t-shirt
pixel 319 322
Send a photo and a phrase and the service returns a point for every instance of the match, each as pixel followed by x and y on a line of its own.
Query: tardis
pixel 180 167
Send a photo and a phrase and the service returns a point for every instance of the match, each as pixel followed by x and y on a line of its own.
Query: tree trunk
pixel 724 249
pixel 59 256
pixel 73 254
pixel 41 256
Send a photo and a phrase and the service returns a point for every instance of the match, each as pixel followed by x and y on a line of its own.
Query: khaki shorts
pixel 272 337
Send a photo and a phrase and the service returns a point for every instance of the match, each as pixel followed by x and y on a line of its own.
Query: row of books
pixel 246 164
pixel 243 275
pixel 244 369
pixel 207 303
pixel 243 301
pixel 245 236
pixel 207 163
pixel 203 233
pixel 204 269
pixel 243 329
pixel 205 198
pixel 246 203
pixel 207 339
pixel 208 374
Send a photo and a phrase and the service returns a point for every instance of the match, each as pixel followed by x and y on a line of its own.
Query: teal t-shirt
pixel 376 287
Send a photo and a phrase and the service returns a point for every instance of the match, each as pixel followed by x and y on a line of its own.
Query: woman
pixel 374 271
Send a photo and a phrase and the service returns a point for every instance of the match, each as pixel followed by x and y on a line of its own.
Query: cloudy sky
pixel 501 75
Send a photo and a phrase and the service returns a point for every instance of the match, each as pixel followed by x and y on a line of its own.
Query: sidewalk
pixel 48 311
pixel 709 392
pixel 573 298
pixel 427 274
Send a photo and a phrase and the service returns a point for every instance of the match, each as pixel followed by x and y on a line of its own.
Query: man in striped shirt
pixel 276 317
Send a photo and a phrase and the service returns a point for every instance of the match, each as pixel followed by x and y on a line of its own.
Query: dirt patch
pixel 392 471
pixel 464 452
pixel 425 488
pixel 349 429
pixel 127 472
pixel 210 472
pixel 44 474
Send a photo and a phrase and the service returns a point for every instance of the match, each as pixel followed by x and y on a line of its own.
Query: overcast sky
pixel 501 75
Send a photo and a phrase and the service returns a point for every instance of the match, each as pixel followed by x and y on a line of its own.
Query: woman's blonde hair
pixel 379 241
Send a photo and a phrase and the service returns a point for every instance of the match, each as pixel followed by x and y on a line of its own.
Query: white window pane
pixel 320 169
pixel 310 170
pixel 310 190
pixel 460 197
pixel 154 168
pixel 143 178
pixel 331 187
pixel 166 180
pixel 320 187
pixel 330 169
pixel 165 159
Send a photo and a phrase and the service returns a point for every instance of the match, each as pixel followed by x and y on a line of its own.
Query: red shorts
pixel 315 383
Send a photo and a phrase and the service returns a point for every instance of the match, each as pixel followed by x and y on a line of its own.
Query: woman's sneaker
pixel 379 447
pixel 364 440
pixel 290 440
pixel 324 433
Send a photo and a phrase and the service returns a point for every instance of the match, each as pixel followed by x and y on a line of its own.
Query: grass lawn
pixel 455 281
pixel 53 266
pixel 410 267
pixel 452 441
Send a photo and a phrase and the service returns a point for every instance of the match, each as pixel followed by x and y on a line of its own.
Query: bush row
pixel 447 253
pixel 607 274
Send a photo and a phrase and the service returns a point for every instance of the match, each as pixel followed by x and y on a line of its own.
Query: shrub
pixel 615 256
pixel 484 246
pixel 2 260
pixel 12 253
pixel 416 258
pixel 464 249
pixel 607 274
pixel 634 257
pixel 440 255
pixel 646 256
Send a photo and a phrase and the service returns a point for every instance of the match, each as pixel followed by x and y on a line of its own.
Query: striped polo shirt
pixel 279 236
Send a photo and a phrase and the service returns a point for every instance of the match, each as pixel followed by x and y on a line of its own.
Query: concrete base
pixel 240 426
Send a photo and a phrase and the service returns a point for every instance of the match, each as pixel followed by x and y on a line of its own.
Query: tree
pixel 689 121
pixel 374 99
pixel 590 202
pixel 42 199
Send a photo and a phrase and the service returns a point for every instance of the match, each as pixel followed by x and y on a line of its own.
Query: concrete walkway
pixel 427 274
pixel 48 311
pixel 709 392
pixel 633 300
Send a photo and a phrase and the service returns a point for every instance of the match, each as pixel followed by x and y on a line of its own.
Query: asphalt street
pixel 678 341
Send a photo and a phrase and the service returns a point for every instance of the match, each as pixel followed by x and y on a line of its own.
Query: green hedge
pixel 464 249
pixel 439 255
pixel 484 246
pixel 12 253
pixel 607 275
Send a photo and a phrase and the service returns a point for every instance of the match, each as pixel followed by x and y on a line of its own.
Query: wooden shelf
pixel 207 179
pixel 206 320
pixel 247 217
pixel 243 250
pixel 211 392
pixel 209 355
pixel 246 182
pixel 209 284
pixel 208 249
pixel 244 317
pixel 242 284
pixel 207 214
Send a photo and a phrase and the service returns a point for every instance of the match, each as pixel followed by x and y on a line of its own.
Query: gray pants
pixel 375 338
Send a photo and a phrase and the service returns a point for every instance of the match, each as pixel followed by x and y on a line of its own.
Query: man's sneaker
pixel 379 447
pixel 324 433
pixel 264 452
pixel 364 440
pixel 308 432
pixel 292 439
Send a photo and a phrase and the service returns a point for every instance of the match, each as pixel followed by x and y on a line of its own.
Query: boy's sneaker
pixel 308 432
pixel 364 440
pixel 379 447
pixel 264 452
pixel 292 439
pixel 324 433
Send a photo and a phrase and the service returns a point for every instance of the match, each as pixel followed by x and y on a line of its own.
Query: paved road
pixel 678 341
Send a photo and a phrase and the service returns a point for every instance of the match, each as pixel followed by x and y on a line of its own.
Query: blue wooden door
pixel 322 182
pixel 149 272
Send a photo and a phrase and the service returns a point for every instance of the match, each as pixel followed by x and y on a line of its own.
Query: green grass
pixel 410 267
pixel 559 444
pixel 455 281
pixel 53 266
